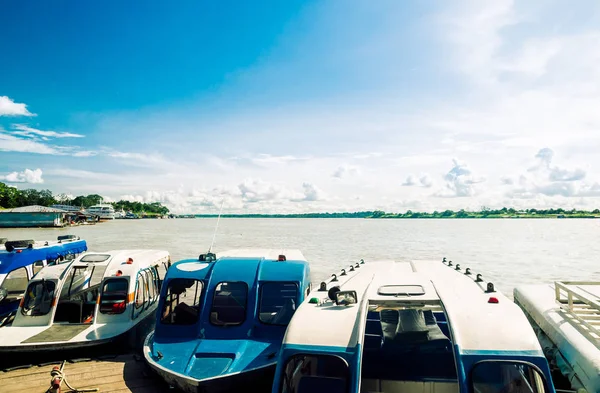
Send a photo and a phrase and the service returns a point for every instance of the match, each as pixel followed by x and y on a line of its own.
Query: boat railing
pixel 581 304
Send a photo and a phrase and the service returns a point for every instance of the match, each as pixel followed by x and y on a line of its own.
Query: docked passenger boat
pixel 566 317
pixel 105 211
pixel 222 319
pixel 22 259
pixel 97 298
pixel 410 327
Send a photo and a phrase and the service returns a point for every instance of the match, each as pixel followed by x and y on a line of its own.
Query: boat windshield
pixel 500 377
pixel 277 302
pixel 182 302
pixel 315 373
pixel 38 298
pixel 229 303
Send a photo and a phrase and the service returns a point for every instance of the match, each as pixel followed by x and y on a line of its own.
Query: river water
pixel 508 252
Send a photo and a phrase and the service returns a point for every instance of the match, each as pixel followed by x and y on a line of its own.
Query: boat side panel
pixel 538 301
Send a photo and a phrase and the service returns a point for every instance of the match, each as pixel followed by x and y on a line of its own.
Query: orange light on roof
pixel 493 300
pixel 118 273
pixel 129 261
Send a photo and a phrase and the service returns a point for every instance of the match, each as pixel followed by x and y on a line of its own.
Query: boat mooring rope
pixel 58 376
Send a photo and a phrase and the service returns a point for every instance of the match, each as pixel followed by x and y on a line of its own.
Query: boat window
pixel 78 280
pixel 15 282
pixel 37 266
pixel 500 377
pixel 315 373
pixel 95 258
pixel 114 296
pixel 396 290
pixel 151 285
pixel 141 296
pixel 229 303
pixel 38 298
pixel 278 301
pixel 182 302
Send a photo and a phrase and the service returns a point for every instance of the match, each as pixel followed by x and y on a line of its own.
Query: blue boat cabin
pixel 226 315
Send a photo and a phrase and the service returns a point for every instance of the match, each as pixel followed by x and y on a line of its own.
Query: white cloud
pixel 257 190
pixel 460 182
pixel 426 180
pixel 30 132
pixel 555 173
pixel 12 143
pixel 312 193
pixel 10 108
pixel 423 180
pixel 26 176
pixel 138 159
pixel 411 180
pixel 345 171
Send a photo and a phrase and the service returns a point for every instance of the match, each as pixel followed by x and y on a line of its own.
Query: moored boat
pixel 410 327
pixel 22 259
pixel 105 211
pixel 222 319
pixel 566 317
pixel 97 298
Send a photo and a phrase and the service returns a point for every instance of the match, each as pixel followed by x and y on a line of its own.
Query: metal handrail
pixel 579 304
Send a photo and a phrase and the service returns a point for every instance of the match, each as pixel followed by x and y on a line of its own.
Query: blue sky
pixel 304 105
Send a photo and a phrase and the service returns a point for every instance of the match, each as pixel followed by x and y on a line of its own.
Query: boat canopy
pixel 225 292
pixel 49 251
pixel 409 326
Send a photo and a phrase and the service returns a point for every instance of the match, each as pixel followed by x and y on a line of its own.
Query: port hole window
pixel 315 373
pixel 182 302
pixel 500 377
pixel 229 303
pixel 114 296
pixel 278 302
pixel 38 298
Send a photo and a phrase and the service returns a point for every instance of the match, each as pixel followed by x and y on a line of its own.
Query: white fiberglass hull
pixel 577 349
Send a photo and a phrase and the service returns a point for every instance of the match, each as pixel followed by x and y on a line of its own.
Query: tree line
pixel 11 197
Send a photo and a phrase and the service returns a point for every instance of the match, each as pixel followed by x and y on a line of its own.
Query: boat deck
pixel 123 373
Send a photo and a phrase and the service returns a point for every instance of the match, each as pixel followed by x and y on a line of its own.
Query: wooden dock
pixel 121 374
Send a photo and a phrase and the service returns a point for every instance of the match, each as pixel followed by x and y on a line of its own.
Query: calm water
pixel 508 252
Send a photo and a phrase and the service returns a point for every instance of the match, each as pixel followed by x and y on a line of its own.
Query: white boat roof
pixel 266 253
pixel 335 328
pixel 116 260
pixel 476 324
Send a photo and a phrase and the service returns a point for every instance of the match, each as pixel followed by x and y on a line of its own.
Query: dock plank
pixel 125 373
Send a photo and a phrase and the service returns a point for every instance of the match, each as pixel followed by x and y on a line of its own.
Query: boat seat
pixel 285 313
pixel 317 384
pixel 185 314
pixel 373 341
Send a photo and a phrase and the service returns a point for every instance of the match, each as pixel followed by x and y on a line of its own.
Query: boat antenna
pixel 217 226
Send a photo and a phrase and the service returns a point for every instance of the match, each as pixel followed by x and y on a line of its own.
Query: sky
pixel 304 106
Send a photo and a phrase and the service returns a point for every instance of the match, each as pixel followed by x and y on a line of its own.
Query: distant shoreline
pixel 409 215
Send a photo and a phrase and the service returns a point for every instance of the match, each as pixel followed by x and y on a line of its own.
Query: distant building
pixel 32 216
pixel 67 208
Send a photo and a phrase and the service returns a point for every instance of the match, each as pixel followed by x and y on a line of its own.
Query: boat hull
pixel 132 339
pixel 258 379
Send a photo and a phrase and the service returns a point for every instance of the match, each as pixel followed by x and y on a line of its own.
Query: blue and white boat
pixel 222 318
pixel 22 259
pixel 410 327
